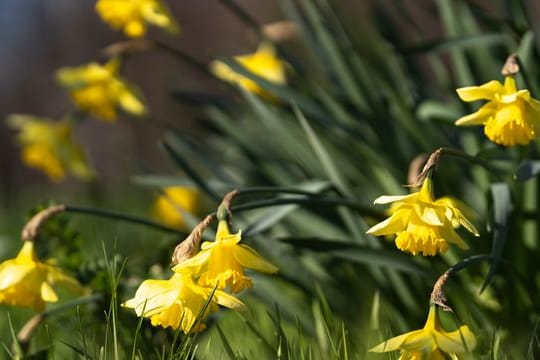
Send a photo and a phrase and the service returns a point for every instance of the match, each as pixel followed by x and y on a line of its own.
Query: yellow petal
pixel 130 103
pixel 486 91
pixel 479 117
pixel 195 264
pixel 249 258
pixel 229 301
pixel 396 222
pixel 391 344
pixel 451 236
pixel 152 296
pixel 47 293
pixel 419 340
pixel 428 215
pixel 386 199
pixel 461 340
pixel 11 273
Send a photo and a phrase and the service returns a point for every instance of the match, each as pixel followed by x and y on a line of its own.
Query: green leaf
pixel 502 206
pixel 273 215
pixel 343 249
pixel 459 42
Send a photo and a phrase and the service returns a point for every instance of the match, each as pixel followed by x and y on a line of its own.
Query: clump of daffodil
pixel 27 282
pixel 431 342
pixel 264 63
pixel 99 90
pixel 172 201
pixel 222 261
pixel 423 225
pixel 133 16
pixel 510 117
pixel 48 146
pixel 178 301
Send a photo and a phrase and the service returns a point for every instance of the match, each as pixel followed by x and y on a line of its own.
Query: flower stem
pixel 436 156
pixel 119 216
pixel 332 202
pixel 437 295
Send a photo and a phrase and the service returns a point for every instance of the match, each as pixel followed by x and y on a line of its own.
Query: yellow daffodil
pixel 177 302
pixel 431 342
pixel 264 63
pixel 27 282
pixel 511 116
pixel 49 146
pixel 98 89
pixel 423 225
pixel 222 261
pixel 132 16
pixel 169 205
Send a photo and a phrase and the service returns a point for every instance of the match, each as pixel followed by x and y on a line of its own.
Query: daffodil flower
pixel 27 282
pixel 49 146
pixel 98 89
pixel 222 261
pixel 132 16
pixel 264 63
pixel 431 342
pixel 423 225
pixel 178 301
pixel 169 205
pixel 510 117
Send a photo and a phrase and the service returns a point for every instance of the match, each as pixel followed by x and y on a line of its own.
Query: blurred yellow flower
pixel 132 16
pixel 431 342
pixel 98 89
pixel 177 302
pixel 49 147
pixel 423 225
pixel 222 261
pixel 264 63
pixel 27 282
pixel 510 117
pixel 169 205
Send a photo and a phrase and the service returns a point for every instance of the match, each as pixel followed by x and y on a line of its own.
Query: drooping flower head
pixel 222 261
pixel 178 301
pixel 49 147
pixel 98 89
pixel 510 117
pixel 423 225
pixel 132 16
pixel 264 63
pixel 431 342
pixel 27 282
pixel 169 205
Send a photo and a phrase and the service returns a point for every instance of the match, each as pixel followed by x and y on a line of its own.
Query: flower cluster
pixel 510 117
pixel 99 90
pixel 263 63
pixel 132 16
pixel 49 146
pixel 423 225
pixel 430 342
pixel 25 281
pixel 219 267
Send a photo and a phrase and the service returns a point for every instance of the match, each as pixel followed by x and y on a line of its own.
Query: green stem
pixel 120 216
pixel 273 190
pixel 362 209
pixel 470 158
pixel 465 263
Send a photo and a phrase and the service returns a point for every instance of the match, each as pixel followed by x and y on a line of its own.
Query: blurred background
pixel 38 37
